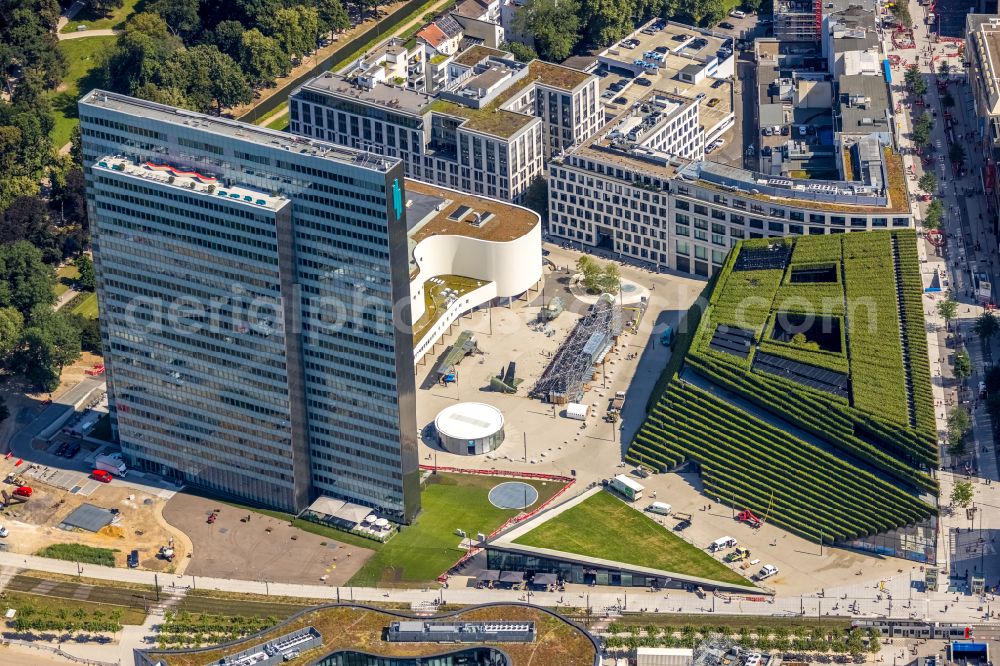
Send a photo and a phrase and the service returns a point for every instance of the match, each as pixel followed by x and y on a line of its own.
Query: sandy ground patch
pixel 264 548
pixel 35 523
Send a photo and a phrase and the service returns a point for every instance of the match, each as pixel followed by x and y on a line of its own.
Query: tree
pixel 521 52
pixel 85 266
pixel 986 325
pixel 902 14
pixel 610 279
pixel 228 37
pixel 51 342
pixel 207 77
pixel 956 153
pixel 948 309
pixel 959 423
pixel 591 272
pixel 25 281
pixel 944 69
pixel 105 7
pixel 947 100
pixel 911 75
pixel 295 29
pixel 142 50
pixel 332 16
pixel 963 364
pixel 928 182
pixel 11 327
pixel 27 218
pixel 962 493
pixel 922 130
pixel 554 25
pixel 262 59
pixel 934 215
pixel 90 333
pixel 180 15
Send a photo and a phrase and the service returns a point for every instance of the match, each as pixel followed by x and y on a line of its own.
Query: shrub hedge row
pixel 878 381
pixel 916 336
pixel 876 428
pixel 747 463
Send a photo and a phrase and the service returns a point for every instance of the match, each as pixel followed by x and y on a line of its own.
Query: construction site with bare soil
pixel 45 507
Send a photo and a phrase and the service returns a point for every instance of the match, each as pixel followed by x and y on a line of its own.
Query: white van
pixel 736 13
pixel 722 544
pixel 661 508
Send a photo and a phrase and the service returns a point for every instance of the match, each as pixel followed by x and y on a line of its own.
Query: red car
pixel 101 475
pixel 212 517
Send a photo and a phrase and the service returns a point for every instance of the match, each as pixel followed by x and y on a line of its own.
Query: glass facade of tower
pixel 246 281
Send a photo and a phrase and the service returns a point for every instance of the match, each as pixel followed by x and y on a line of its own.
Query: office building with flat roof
pixel 487 132
pixel 982 52
pixel 248 283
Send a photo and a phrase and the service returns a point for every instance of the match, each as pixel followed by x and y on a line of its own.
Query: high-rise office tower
pixel 249 283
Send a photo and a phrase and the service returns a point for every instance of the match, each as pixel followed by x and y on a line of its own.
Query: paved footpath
pixel 895 597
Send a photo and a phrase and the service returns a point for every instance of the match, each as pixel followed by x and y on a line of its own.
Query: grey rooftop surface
pixel 101 99
pixel 391 97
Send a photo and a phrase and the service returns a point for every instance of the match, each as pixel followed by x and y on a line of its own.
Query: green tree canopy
pixel 262 59
pixel 986 325
pixel 962 493
pixel 522 52
pixel 948 309
pixel 25 280
pixel 11 329
pixel 554 25
pixel 85 266
pixel 956 153
pixel 963 364
pixel 928 182
pixel 934 215
pixel 50 343
pixel 181 15
pixel 959 423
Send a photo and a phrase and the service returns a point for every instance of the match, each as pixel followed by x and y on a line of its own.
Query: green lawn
pixel 115 21
pixel 82 55
pixel 65 277
pixel 603 526
pixel 425 549
pixel 279 122
pixel 87 307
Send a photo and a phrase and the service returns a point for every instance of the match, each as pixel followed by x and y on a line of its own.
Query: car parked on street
pixel 101 475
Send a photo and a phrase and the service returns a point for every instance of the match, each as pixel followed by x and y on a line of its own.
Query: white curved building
pixel 469 428
pixel 465 252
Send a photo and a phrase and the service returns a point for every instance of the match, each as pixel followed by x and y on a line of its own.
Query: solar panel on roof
pixel 811 376
pixel 774 256
pixel 732 340
pixel 459 213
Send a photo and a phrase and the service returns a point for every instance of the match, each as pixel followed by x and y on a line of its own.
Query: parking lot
pixel 261 548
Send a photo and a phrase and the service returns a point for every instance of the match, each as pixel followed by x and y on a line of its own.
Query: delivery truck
pixel 628 488
pixel 110 464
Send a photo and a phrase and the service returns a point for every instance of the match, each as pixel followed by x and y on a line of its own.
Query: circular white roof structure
pixel 469 421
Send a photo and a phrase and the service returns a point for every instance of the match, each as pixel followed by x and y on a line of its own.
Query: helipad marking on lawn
pixel 513 495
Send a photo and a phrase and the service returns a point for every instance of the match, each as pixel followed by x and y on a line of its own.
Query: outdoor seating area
pixel 518 580
pixel 349 517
